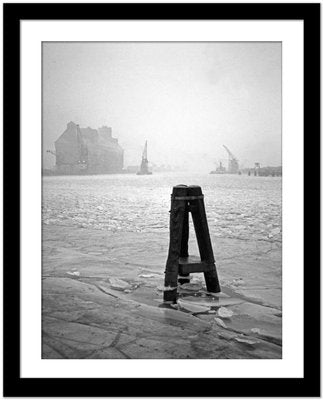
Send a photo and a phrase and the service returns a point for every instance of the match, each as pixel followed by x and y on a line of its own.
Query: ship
pixel 144 163
pixel 219 170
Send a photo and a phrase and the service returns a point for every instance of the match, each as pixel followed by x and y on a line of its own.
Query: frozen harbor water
pixel 105 243
pixel 237 206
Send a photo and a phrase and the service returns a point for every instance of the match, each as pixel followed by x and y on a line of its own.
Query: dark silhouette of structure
pixel 233 166
pixel 144 163
pixel 86 150
pixel 179 264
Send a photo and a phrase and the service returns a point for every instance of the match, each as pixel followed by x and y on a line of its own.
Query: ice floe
pixel 245 340
pixel 119 284
pixel 224 312
pixel 75 273
pixel 192 307
pixel 213 301
pixel 148 275
pixel 220 322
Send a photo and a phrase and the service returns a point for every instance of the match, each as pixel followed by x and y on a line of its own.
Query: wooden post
pixel 179 265
pixel 184 278
pixel 177 212
pixel 203 237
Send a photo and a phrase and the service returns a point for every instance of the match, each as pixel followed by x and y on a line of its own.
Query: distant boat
pixel 219 170
pixel 144 163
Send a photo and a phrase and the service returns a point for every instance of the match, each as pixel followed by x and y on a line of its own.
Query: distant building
pixel 263 171
pixel 270 171
pixel 87 150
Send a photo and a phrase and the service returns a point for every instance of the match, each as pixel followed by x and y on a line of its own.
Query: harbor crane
pixel 233 164
pixel 144 163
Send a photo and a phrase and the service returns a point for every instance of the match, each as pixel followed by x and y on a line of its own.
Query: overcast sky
pixel 186 99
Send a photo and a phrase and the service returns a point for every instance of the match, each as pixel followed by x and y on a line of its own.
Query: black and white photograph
pixel 161 200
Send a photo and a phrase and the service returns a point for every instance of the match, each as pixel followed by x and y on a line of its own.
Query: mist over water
pixel 186 99
pixel 237 206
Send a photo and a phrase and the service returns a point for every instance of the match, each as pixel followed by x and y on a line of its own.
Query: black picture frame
pixel 14 385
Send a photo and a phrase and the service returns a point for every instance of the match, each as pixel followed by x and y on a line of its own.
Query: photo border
pixel 130 387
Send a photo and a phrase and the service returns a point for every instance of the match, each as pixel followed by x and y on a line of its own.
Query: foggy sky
pixel 186 99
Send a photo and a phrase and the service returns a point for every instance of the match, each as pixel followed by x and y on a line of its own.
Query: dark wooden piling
pixel 179 265
pixel 184 278
pixel 177 212
pixel 203 236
